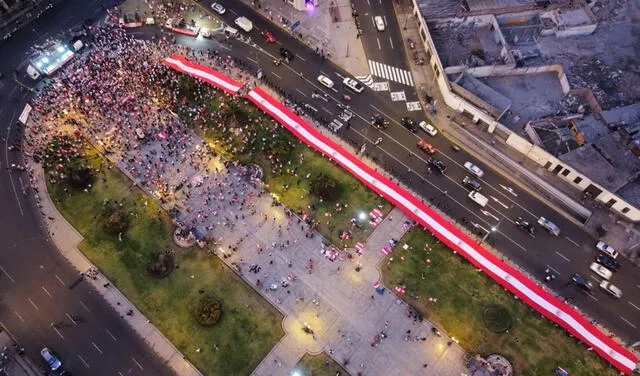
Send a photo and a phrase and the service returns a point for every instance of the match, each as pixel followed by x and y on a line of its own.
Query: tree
pixel 325 187
pixel 162 265
pixel 80 177
pixel 117 222
pixel 207 311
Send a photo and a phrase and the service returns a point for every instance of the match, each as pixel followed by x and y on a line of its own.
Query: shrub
pixel 80 177
pixel 116 222
pixel 162 265
pixel 208 311
pixel 497 318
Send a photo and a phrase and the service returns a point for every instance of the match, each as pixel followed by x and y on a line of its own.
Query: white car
pixel 379 23
pixel 244 23
pixel 428 128
pixel 326 81
pixel 607 249
pixel 353 84
pixel 611 289
pixel 477 171
pixel 218 8
pixel 601 270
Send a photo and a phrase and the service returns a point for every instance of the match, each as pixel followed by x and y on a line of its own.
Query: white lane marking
pixel 57 331
pixel 330 113
pixel 60 280
pixel 391 42
pixel 324 74
pixel 301 58
pixel 84 306
pixel 303 94
pixel 134 359
pixel 19 316
pixel 111 335
pixel 15 193
pixel 120 373
pixel 83 361
pixel 593 297
pixel 71 318
pixel 552 268
pixel 499 202
pixel 275 74
pixel 97 348
pixel 508 189
pixel 46 291
pixel 379 46
pixel 254 60
pixel 563 256
pixel 635 306
pixel 572 242
pixel 488 214
pixel 627 321
pixel 7 274
pixel 232 11
pixel 33 304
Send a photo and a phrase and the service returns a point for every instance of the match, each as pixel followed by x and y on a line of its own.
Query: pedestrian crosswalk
pixel 391 73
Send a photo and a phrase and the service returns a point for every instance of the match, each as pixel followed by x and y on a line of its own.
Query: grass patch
pixel 248 327
pixel 319 365
pixel 483 315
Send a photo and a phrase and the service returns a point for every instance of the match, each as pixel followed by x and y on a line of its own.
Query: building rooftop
pixel 434 9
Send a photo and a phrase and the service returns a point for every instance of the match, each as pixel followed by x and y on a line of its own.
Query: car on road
pixel 52 360
pixel 550 226
pixel 244 23
pixel 268 36
pixel 582 282
pixel 525 225
pixel 472 168
pixel 437 164
pixel 426 147
pixel 428 128
pixel 378 121
pixel 336 125
pixel 479 198
pixel 353 84
pixel 286 53
pixel 607 249
pixel 608 261
pixel 611 289
pixel 218 8
pixel 409 123
pixel 379 23
pixel 326 81
pixel 471 183
pixel 601 270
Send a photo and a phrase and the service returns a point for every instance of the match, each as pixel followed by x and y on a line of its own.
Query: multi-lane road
pixel 35 279
pixel 572 251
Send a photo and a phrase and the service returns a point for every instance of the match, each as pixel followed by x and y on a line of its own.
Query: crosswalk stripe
pixel 388 72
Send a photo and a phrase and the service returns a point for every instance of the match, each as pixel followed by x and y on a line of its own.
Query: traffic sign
pixel 295 25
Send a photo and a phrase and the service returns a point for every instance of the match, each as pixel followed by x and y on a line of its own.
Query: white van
pixel 479 198
pixel 244 24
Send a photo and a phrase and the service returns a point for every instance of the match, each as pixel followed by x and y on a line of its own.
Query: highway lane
pixel 566 254
pixel 34 277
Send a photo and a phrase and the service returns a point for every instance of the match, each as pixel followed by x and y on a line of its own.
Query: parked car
pixel 607 249
pixel 608 262
pixel 601 270
pixel 428 128
pixel 409 123
pixel 379 23
pixel 550 226
pixel 218 8
pixel 471 183
pixel 326 81
pixel 472 168
pixel 582 282
pixel 268 36
pixel 426 147
pixel 437 164
pixel 611 289
pixel 52 360
pixel 525 225
pixel 353 84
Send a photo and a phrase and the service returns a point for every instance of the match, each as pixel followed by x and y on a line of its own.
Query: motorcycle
pixel 379 140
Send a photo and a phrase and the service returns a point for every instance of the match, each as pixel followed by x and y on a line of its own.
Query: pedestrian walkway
pixel 329 29
pixel 391 73
pixel 66 238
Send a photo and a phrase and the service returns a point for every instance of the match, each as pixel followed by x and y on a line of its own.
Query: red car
pixel 268 36
pixel 428 148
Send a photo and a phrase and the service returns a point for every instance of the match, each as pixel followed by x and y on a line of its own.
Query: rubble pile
pixel 611 86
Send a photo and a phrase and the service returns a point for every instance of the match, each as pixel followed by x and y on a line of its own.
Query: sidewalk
pixel 493 151
pixel 66 239
pixel 13 364
pixel 328 29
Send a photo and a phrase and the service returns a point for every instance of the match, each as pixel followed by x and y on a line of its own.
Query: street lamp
pixel 493 229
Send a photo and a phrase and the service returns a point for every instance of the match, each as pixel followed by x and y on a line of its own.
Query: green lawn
pixel 249 326
pixel 465 296
pixel 319 365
